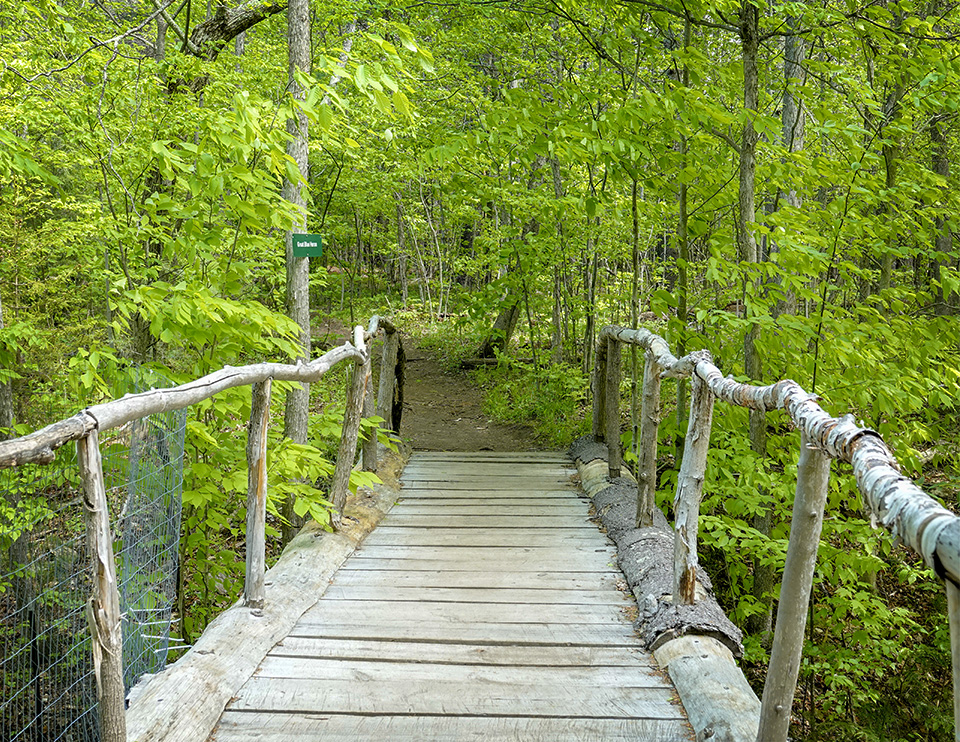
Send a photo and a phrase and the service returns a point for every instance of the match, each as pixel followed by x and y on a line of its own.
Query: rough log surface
pixel 720 704
pixel 709 682
pixel 39 446
pixel 646 557
pixel 184 702
pixel 103 608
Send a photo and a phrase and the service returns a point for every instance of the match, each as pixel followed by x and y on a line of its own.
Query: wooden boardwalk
pixel 485 607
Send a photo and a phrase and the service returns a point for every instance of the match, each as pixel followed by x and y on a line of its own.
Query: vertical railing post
pixel 347 451
pixel 953 612
pixel 813 475
pixel 388 378
pixel 612 407
pixel 103 608
pixel 649 429
pixel 600 391
pixel 253 587
pixel 370 443
pixel 686 504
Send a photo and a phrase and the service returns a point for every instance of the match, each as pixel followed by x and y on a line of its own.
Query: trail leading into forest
pixel 443 411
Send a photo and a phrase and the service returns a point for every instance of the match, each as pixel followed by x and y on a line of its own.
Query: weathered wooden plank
pixel 576 551
pixel 562 508
pixel 480 472
pixel 239 726
pixel 483 537
pixel 464 654
pixel 562 504
pixel 492 482
pixel 486 521
pixel 454 698
pixel 521 564
pixel 505 507
pixel 183 703
pixel 489 455
pixel 529 580
pixel 441 673
pixel 396 613
pixel 379 593
pixel 525 634
pixel 430 491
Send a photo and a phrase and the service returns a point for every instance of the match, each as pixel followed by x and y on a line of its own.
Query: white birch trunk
pixel 813 474
pixel 649 427
pixel 690 490
pixel 253 589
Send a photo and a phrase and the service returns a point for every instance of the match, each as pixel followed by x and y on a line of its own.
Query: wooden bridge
pixel 484 606
pixel 487 605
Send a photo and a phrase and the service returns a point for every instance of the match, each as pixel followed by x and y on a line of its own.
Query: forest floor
pixel 442 409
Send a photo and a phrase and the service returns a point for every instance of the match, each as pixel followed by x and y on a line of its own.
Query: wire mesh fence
pixel 48 687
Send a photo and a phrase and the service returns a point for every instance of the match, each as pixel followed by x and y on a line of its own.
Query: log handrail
pixel 905 510
pixel 103 608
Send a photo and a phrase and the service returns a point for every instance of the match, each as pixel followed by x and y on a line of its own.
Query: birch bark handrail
pixel 905 510
pixel 40 447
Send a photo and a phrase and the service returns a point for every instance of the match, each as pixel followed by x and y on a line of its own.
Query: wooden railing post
pixel 351 429
pixel 612 407
pixel 953 612
pixel 103 608
pixel 253 588
pixel 370 443
pixel 600 391
pixel 649 429
pixel 686 504
pixel 388 379
pixel 813 475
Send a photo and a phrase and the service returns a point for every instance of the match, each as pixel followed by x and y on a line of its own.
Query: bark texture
pixel 646 557
pixel 253 588
pixel 39 447
pixel 103 608
pixel 297 413
pixel 209 38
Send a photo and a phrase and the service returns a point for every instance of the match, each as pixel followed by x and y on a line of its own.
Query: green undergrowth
pixel 550 398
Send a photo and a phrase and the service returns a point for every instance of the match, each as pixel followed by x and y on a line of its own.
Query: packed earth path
pixel 443 410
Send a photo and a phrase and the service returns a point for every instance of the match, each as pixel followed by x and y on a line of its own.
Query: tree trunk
pixel 296 412
pixel 747 245
pixel 944 238
pixel 501 332
pixel 6 400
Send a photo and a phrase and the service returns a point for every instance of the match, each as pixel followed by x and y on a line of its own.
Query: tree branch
pixel 213 34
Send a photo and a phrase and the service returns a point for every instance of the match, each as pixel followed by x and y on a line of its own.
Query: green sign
pixel 307 245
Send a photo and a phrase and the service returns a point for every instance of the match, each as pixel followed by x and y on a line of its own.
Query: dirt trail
pixel 442 411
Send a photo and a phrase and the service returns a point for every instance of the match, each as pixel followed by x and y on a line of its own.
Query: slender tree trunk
pixel 683 254
pixel 944 238
pixel 6 400
pixel 556 350
pixel 296 412
pixel 747 245
pixel 634 320
pixel 401 256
